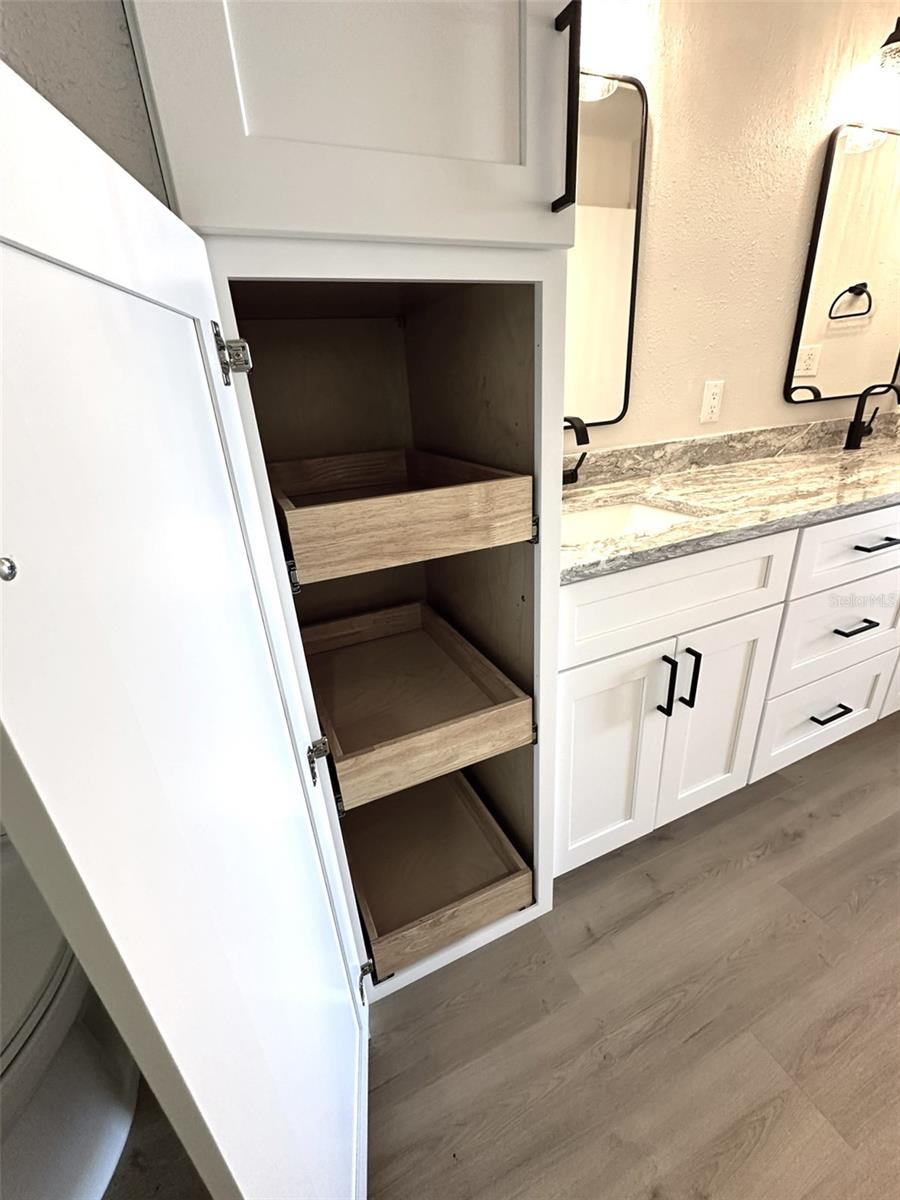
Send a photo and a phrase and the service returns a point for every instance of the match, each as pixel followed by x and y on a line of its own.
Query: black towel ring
pixel 855 289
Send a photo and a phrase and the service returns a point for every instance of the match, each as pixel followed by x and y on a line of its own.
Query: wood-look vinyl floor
pixel 710 1013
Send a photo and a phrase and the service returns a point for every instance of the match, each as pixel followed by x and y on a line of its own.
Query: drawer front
pixel 841 551
pixel 831 630
pixel 823 712
pixel 631 608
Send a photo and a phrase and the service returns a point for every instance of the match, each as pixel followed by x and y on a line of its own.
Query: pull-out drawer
pixel 823 712
pixel 828 631
pixel 403 698
pixel 363 512
pixel 617 612
pixel 851 548
pixel 430 865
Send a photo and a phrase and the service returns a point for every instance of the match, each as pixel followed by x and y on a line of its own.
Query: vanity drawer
pixel 823 712
pixel 848 549
pixel 828 631
pixel 619 612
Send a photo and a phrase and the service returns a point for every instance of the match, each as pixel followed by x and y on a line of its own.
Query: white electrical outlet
pixel 808 360
pixel 712 400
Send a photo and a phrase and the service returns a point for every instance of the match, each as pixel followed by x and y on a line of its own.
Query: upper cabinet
pixel 396 119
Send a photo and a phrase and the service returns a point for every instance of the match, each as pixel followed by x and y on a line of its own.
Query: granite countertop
pixel 731 502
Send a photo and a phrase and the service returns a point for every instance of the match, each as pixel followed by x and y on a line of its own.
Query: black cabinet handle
pixel 867 624
pixel 669 707
pixel 695 678
pixel 884 545
pixel 843 711
pixel 570 18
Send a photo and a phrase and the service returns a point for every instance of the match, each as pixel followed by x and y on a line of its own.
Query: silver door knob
pixel 8 570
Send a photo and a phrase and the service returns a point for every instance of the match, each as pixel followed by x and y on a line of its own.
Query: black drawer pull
pixel 669 707
pixel 867 624
pixel 843 711
pixel 570 18
pixel 884 545
pixel 695 678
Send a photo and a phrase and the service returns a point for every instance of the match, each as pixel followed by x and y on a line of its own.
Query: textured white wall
pixel 78 55
pixel 742 99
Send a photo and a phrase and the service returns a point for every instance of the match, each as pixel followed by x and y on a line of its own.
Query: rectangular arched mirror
pixel 602 266
pixel 847 334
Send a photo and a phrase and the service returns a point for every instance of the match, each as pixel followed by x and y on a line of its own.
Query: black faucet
pixel 582 438
pixel 859 427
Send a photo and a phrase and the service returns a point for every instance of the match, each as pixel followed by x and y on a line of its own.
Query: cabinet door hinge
pixel 234 355
pixel 535 530
pixel 367 968
pixel 293 577
pixel 318 749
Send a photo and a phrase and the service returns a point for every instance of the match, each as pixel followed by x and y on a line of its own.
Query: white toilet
pixel 67 1082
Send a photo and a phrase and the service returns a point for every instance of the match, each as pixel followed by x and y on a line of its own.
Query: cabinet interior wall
pixel 444 368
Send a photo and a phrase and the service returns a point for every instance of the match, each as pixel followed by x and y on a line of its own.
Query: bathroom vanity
pixel 699 651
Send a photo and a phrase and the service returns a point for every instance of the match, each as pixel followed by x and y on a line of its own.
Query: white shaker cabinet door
pixel 398 119
pixel 151 782
pixel 611 734
pixel 722 675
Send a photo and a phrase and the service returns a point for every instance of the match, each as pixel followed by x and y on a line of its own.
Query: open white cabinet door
pixel 152 780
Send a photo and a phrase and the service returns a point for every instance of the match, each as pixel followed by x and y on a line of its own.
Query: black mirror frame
pixel 789 386
pixel 638 203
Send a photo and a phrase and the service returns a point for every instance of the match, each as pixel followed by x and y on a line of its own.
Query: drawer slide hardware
pixel 319 749
pixel 535 530
pixel 366 968
pixel 234 355
pixel 534 734
pixel 293 577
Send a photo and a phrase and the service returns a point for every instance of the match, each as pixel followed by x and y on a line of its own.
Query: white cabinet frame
pixel 273 259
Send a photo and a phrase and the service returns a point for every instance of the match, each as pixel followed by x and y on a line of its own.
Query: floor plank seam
pixel 800 1088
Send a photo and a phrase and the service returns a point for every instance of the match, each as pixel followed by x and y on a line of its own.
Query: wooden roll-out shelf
pixel 403 698
pixel 362 512
pixel 430 865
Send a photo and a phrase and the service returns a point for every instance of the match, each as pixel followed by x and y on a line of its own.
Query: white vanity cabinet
pixel 773 647
pixel 365 118
pixel 630 761
pixel 648 735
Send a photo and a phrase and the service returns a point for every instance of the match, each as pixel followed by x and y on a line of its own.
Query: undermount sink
pixel 615 520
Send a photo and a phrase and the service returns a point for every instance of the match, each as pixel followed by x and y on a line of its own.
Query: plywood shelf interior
pixel 430 865
pixel 403 698
pixel 351 513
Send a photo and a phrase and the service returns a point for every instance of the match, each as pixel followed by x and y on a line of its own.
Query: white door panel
pixel 397 119
pixel 709 747
pixel 140 693
pixel 611 736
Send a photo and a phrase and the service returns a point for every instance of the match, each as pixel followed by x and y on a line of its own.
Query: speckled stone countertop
pixel 731 502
